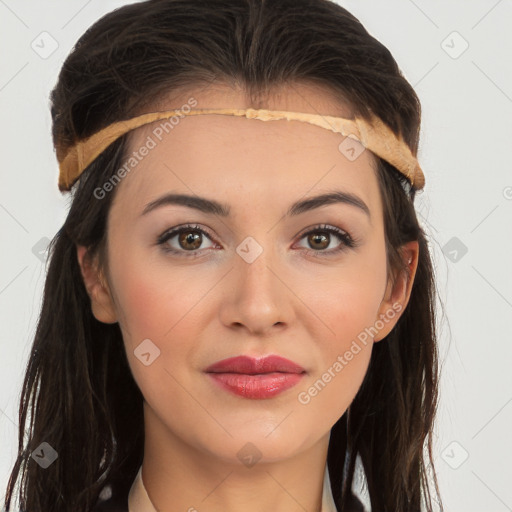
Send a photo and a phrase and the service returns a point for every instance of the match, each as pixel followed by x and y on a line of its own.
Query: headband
pixel 374 135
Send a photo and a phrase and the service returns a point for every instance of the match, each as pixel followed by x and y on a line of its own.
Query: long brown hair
pixel 78 393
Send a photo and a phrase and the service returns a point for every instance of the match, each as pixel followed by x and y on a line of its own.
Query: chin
pixel 250 446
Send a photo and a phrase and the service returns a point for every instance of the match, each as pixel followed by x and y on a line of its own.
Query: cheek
pixel 348 300
pixel 347 304
pixel 151 308
pixel 165 305
pixel 148 308
pixel 352 307
pixel 153 300
pixel 345 351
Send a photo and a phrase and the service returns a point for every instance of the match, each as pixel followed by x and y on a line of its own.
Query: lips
pixel 252 366
pixel 256 378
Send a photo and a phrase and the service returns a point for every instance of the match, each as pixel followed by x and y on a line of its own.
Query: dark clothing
pixel 112 505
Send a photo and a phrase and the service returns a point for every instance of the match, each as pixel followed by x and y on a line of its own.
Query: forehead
pixel 260 161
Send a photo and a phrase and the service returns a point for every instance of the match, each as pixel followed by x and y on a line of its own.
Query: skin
pixel 290 301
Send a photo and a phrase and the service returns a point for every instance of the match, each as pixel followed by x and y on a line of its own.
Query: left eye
pixel 190 239
pixel 320 237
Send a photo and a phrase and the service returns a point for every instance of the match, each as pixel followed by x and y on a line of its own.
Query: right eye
pixel 188 238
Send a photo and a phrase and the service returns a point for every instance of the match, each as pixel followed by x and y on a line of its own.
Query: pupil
pixel 319 239
pixel 193 239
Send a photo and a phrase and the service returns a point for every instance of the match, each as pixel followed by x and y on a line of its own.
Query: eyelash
pixel 347 242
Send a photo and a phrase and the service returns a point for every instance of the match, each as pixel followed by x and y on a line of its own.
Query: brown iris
pixel 322 239
pixel 190 237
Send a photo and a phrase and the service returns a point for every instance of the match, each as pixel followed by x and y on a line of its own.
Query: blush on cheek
pixel 352 310
pixel 351 320
pixel 159 309
pixel 147 307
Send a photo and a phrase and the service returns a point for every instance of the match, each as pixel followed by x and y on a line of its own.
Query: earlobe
pixel 397 297
pixel 96 285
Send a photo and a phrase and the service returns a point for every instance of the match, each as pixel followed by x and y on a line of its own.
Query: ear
pixel 97 288
pixel 396 297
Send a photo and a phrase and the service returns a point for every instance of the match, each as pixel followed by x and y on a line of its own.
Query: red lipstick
pixel 256 378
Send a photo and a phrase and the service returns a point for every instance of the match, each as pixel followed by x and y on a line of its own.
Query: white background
pixel 466 94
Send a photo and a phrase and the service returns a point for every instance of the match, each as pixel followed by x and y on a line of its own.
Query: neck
pixel 189 478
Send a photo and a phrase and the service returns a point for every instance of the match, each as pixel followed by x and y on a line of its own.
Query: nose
pixel 259 297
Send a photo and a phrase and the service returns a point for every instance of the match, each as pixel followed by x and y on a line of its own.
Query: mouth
pixel 260 386
pixel 256 378
pixel 251 366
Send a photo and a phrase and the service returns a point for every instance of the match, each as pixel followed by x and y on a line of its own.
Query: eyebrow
pixel 212 207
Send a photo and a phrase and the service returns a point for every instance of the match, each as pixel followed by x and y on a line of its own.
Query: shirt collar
pixel 138 499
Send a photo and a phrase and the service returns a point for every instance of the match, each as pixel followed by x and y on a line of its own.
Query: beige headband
pixel 375 136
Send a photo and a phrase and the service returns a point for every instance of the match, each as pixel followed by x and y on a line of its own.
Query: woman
pixel 236 313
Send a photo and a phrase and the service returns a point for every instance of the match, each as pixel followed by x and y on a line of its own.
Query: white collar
pixel 138 499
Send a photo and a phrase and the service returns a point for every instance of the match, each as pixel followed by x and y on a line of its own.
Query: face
pixel 249 273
